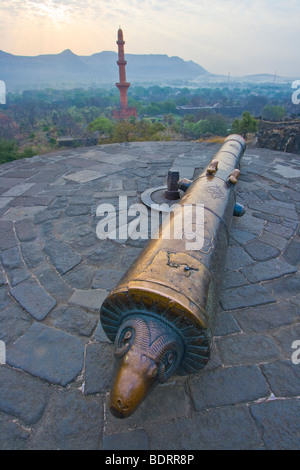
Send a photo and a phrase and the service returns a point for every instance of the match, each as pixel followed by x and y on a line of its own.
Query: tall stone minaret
pixel 123 86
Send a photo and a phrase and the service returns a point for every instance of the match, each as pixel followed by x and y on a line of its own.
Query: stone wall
pixel 282 136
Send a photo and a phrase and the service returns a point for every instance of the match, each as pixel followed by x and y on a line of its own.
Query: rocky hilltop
pixel 283 136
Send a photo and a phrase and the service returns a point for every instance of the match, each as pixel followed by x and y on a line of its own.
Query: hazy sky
pixel 237 36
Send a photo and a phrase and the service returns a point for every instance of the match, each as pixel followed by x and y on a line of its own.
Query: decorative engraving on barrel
pixel 216 192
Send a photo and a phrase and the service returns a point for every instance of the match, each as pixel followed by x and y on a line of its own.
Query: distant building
pixel 124 112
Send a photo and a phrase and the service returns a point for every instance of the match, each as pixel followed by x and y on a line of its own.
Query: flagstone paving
pixel 55 273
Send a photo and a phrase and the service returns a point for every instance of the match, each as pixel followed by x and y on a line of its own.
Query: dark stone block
pixel 2 278
pixel 14 321
pixel 236 258
pixel 228 387
pixel 286 337
pixel 283 377
pixel 7 236
pixel 11 258
pixel 72 422
pixel 98 256
pixel 48 353
pixel 284 288
pixel 269 218
pixel 46 215
pixel 17 275
pixel 245 296
pixel 261 251
pixel 276 208
pixel 131 440
pixel 247 349
pixel 4 297
pixel 32 254
pixel 107 278
pixel 274 240
pixel 292 253
pixel 80 277
pixel 228 428
pixel 31 201
pixel 53 283
pixel 34 299
pixel 225 324
pixel 98 368
pixel 75 210
pixel 12 435
pixel 280 230
pixel 267 317
pixel 85 242
pixel 279 423
pixel 280 195
pixel 241 236
pixel 62 256
pixel 233 279
pixel 74 320
pixel 22 396
pixel 267 270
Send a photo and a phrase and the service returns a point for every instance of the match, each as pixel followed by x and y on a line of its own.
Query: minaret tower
pixel 123 86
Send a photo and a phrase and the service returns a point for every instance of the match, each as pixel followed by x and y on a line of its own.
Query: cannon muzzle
pixel 161 314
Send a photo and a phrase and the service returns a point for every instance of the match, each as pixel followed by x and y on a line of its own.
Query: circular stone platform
pixel 56 273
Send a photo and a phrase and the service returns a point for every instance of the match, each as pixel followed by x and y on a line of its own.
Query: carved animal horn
pixel 121 351
pixel 159 349
pixel 141 336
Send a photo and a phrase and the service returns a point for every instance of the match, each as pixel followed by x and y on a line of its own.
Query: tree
pixel 9 151
pixel 273 113
pixel 124 131
pixel 102 124
pixel 243 126
pixel 8 128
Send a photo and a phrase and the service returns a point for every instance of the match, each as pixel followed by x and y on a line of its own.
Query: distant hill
pixel 265 78
pixel 69 69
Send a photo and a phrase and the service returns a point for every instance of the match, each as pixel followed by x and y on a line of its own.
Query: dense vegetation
pixel 33 121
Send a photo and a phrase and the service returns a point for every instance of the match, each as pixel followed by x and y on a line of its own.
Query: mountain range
pixel 69 70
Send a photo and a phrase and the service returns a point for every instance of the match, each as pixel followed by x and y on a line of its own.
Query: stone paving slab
pixel 205 391
pixel 22 396
pixel 55 273
pixel 276 421
pixel 48 353
pixel 34 299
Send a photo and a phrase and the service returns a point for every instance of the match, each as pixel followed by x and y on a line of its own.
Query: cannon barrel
pixel 161 314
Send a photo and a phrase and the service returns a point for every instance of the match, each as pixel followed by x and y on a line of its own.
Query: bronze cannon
pixel 161 314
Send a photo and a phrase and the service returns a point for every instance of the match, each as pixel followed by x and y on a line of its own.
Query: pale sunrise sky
pixel 237 36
